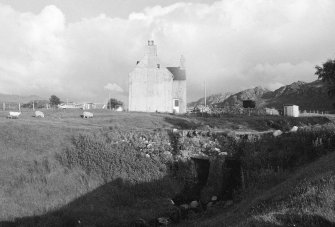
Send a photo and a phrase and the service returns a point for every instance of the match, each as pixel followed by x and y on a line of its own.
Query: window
pixel 176 102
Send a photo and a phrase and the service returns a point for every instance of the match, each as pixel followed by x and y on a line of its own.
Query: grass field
pixel 63 169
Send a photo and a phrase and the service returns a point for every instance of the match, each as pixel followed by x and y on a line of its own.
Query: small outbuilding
pixel 291 110
pixel 271 111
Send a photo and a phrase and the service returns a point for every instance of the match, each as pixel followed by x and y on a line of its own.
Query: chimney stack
pixel 151 49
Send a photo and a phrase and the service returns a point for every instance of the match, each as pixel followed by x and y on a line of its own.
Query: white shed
pixel 291 110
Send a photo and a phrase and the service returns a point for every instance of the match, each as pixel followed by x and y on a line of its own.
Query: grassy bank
pixel 289 181
pixel 109 170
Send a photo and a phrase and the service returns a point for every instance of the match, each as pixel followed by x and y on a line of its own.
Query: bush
pixel 109 159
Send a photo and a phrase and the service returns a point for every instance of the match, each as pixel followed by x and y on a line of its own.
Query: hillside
pixel 210 100
pixel 257 94
pixel 18 98
pixel 308 96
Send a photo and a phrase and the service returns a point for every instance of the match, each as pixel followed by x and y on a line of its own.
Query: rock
pixel 217 149
pixel 186 153
pixel 200 155
pixel 184 133
pixel 185 206
pixel 277 133
pixel 167 154
pixel 175 131
pixel 214 198
pixel 223 153
pixel 194 204
pixel 163 220
pixel 294 129
pixel 147 155
pixel 210 204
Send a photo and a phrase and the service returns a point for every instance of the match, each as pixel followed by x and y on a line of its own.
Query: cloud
pixel 232 44
pixel 113 87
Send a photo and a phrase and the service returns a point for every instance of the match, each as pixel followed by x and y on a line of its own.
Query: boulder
pixel 194 204
pixel 277 133
pixel 186 153
pixel 294 129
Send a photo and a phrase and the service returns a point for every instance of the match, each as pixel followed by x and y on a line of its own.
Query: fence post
pixel 33 105
pixel 3 106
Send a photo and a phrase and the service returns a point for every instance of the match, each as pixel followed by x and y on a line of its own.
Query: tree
pixel 54 100
pixel 114 103
pixel 327 74
pixel 38 104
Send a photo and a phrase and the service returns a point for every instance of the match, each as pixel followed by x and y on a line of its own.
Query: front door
pixel 176 105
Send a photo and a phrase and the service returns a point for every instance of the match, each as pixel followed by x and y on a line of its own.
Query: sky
pixel 83 50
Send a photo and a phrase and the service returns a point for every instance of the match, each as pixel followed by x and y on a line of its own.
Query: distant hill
pixel 19 99
pixel 257 94
pixel 308 96
pixel 211 100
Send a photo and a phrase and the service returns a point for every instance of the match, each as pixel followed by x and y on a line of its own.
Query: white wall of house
pixel 150 90
pixel 291 111
pixel 151 86
pixel 179 92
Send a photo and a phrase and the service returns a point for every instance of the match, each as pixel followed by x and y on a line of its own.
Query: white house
pixel 153 87
pixel 291 110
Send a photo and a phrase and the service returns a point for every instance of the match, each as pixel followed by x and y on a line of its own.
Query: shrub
pixel 109 159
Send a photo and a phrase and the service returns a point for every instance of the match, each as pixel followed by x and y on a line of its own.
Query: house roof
pixel 178 74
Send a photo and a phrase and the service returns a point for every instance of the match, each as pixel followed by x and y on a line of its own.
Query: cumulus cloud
pixel 113 87
pixel 232 44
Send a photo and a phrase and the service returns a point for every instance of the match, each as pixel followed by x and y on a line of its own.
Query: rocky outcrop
pixel 210 100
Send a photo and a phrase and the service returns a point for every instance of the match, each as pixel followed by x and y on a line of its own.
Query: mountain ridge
pixel 19 98
pixel 308 96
